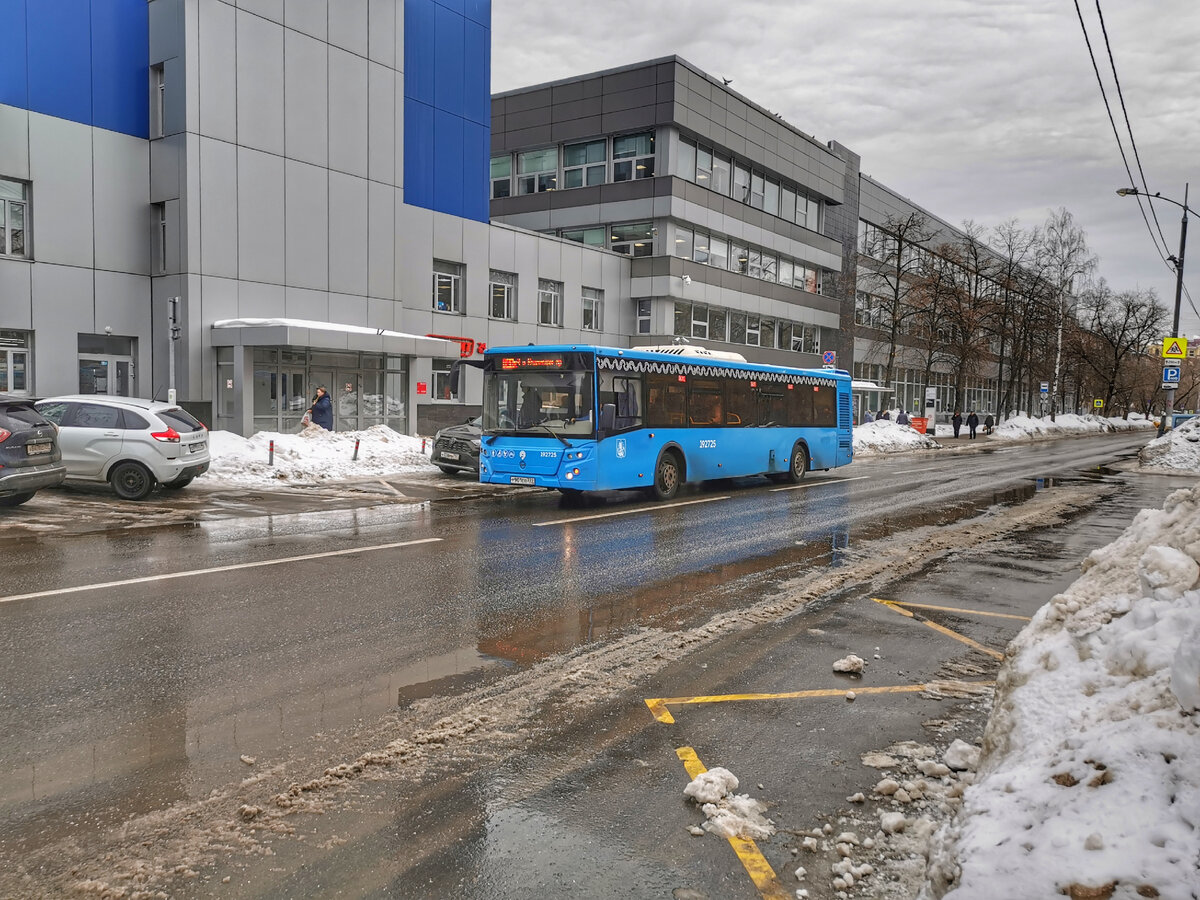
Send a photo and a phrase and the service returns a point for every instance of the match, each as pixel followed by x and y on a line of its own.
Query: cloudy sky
pixel 986 110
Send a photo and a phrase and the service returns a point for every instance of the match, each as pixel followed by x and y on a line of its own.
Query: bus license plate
pixel 35 449
pixel 521 479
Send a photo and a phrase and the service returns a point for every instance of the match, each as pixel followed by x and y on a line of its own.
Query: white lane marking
pixel 807 484
pixel 233 568
pixel 629 512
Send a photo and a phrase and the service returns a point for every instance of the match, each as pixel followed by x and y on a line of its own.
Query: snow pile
pixel 313 456
pixel 1090 779
pixel 729 815
pixel 889 437
pixel 1179 448
pixel 1023 427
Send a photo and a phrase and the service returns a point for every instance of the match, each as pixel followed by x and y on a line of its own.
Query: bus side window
pixel 628 394
pixel 740 402
pixel 666 401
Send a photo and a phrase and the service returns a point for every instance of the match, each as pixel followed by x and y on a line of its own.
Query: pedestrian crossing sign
pixel 1174 348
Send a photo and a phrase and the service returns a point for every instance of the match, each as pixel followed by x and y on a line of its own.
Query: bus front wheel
pixel 668 475
pixel 799 464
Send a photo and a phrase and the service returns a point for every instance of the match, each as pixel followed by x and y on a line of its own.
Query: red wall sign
pixel 422 387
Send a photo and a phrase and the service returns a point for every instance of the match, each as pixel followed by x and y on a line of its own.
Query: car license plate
pixel 196 448
pixel 35 449
pixel 520 479
pixel 446 454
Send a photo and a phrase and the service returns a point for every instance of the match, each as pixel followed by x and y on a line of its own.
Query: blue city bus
pixel 586 418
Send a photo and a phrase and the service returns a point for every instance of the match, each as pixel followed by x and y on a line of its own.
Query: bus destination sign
pixel 511 363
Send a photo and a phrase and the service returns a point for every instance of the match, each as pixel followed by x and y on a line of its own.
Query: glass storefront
pixel 366 388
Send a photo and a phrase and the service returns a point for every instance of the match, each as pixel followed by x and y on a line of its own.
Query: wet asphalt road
pixel 252 633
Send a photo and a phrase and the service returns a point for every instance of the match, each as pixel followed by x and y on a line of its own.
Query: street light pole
pixel 1127 192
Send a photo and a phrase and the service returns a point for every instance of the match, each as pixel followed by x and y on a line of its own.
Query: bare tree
pixel 1118 329
pixel 1068 258
pixel 892 271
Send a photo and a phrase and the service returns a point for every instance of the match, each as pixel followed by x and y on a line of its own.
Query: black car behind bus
pixel 456 448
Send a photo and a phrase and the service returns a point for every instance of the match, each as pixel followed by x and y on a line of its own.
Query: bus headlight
pixel 570 476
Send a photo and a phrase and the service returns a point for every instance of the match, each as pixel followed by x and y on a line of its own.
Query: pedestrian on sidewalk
pixel 902 418
pixel 956 421
pixel 972 423
pixel 321 411
pixel 988 424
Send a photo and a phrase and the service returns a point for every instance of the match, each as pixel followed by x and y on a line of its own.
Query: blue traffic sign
pixel 1170 374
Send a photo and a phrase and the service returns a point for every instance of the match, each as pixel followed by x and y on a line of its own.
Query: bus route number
pixel 708 444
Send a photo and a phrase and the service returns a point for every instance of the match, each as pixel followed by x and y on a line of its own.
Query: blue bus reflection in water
pixel 586 418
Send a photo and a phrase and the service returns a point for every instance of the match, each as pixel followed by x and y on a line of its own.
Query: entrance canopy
pixel 327 336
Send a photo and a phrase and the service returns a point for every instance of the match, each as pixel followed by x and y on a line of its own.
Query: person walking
pixel 956 421
pixel 902 418
pixel 867 417
pixel 321 411
pixel 988 424
pixel 972 423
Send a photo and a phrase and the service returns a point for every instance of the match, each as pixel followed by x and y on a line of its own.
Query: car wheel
pixel 16 499
pixel 178 483
pixel 667 475
pixel 799 464
pixel 131 481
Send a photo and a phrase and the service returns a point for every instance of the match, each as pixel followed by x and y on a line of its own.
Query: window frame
pixel 539 181
pixel 8 205
pixel 497 180
pixel 592 305
pixel 550 294
pixel 587 168
pixel 636 164
pixel 629 246
pixel 451 277
pixel 508 295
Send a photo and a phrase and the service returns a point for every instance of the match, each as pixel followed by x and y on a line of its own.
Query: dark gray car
pixel 29 456
pixel 456 448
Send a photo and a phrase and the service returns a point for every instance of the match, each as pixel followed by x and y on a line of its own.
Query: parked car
pixel 131 443
pixel 456 448
pixel 30 458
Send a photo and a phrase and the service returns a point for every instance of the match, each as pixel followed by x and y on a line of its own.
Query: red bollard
pixel 271 454
pixel 355 458
pixel 422 445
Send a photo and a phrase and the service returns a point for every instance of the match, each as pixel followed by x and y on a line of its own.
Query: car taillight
pixel 5 434
pixel 170 436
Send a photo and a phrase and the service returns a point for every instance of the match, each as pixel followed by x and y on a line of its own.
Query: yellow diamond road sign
pixel 1174 348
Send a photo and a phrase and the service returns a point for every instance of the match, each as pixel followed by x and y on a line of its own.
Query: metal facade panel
pixel 306 109
pixel 120 66
pixel 449 61
pixel 348 121
pixel 14 72
pixel 347 233
pixel 260 195
pixel 121 211
pixel 217 27
pixel 14 140
pixel 419 152
pixel 218 202
pixel 60 166
pixel 448 162
pixel 306 225
pixel 259 83
pixel 381 127
pixel 60 59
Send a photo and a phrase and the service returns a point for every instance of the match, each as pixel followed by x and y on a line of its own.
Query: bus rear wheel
pixel 668 475
pixel 799 464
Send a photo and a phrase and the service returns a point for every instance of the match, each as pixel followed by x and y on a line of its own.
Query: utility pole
pixel 173 336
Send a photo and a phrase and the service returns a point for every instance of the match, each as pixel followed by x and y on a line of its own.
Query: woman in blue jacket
pixel 321 410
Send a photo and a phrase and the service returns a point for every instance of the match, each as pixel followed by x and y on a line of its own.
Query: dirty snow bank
pixel 1090 779
pixel 1178 449
pixel 889 437
pixel 1024 427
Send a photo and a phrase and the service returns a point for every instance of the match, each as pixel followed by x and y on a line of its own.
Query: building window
pixel 718 252
pixel 739 258
pixel 704 167
pixel 502 295
pixel 160 237
pixel 700 251
pixel 787 204
pixel 633 156
pixel 158 100
pixel 720 174
pixel 441 379
pixel 593 309
pixel 684 242
pixel 537 171
pixel 447 287
pixel 787 270
pixel 14 215
pixel 501 176
pixel 643 316
pixel 593 237
pixel 14 362
pixel 799 338
pixel 685 165
pixel 741 184
pixel 633 240
pixel 771 198
pixel 584 164
pixel 757 187
pixel 550 302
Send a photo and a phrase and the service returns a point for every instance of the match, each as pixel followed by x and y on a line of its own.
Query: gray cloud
pixel 986 110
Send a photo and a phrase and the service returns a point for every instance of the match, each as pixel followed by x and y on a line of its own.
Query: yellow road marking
pixel 969 612
pixel 753 861
pixel 942 629
pixel 658 705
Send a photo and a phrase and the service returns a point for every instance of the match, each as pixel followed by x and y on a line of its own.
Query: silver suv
pixel 131 443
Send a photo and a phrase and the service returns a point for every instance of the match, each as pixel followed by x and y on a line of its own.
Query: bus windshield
pixel 536 392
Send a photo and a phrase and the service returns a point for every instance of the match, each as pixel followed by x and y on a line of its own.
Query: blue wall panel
pixel 120 70
pixel 418 154
pixel 451 61
pixel 82 60
pixel 448 162
pixel 14 84
pixel 447 105
pixel 478 83
pixel 60 59
pixel 419 50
